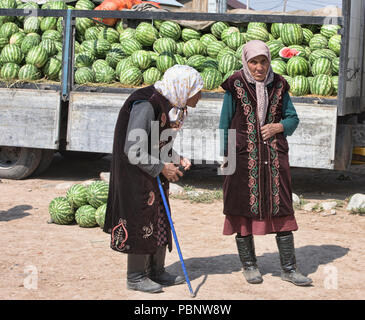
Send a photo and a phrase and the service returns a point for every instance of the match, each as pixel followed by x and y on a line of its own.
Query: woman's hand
pixel 269 130
pixel 171 172
pixel 185 163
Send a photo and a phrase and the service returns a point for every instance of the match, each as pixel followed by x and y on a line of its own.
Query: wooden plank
pixel 29 118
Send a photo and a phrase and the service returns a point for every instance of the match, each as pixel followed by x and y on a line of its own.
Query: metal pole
pixel 222 6
pixel 285 3
pixel 248 5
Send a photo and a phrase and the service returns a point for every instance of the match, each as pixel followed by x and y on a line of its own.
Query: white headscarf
pixel 179 83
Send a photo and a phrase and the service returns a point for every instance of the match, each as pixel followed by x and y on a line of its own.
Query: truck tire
pixel 46 160
pixel 18 163
pixel 73 155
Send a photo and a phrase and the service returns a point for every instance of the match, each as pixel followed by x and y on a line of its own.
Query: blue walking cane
pixel 175 237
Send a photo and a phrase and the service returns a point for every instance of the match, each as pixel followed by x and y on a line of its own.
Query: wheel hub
pixel 9 156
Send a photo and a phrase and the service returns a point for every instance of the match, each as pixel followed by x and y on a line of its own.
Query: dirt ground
pixel 47 261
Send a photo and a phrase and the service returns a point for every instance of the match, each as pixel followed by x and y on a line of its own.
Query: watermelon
pixel 334 43
pixel 278 66
pixel 214 48
pixel 307 36
pixel 29 72
pixel 288 53
pixel 109 34
pixel 165 61
pixel 57 5
pixel 170 29
pixel 299 86
pixel 30 41
pixel 235 40
pixel 257 33
pixel 52 35
pixel 207 38
pixel 209 63
pixel 142 59
pixel 48 23
pixel 228 74
pixel 124 64
pixel 256 24
pixel 301 51
pixel 165 45
pixel 318 42
pixel 146 34
pixel 297 66
pixel 131 76
pixel 322 66
pixel 218 27
pixel 276 29
pixel 84 5
pixel 52 68
pixel 196 62
pixel 157 23
pixel 227 32
pixel 291 34
pixel 9 71
pixel 8 29
pixel 84 59
pixel 11 53
pixel 84 75
pixel 227 63
pixel 151 76
pixel 329 30
pixel 60 211
pixel 103 73
pixel 275 46
pixel 114 56
pixel 127 34
pixel 31 24
pixel 193 47
pixel 288 79
pixel 77 195
pixel 212 78
pixel 130 45
pixel 100 215
pixel 336 66
pixel 189 33
pixel 335 84
pixel 180 60
pixel 97 193
pixel 92 33
pixel 322 85
pixel 321 53
pixel 50 46
pixel 3 42
pixel 82 24
pixel 225 51
pixel 85 216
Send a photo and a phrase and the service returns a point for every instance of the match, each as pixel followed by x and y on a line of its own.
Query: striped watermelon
pixel 31 24
pixel 92 33
pixel 9 71
pixel 329 30
pixel 97 193
pixel 218 27
pixel 127 34
pixel 142 59
pixel 228 74
pixel 256 24
pixel 297 66
pixel 189 33
pixel 100 215
pixel 85 216
pixel 84 75
pixel 170 29
pixel 157 23
pixel 275 46
pixel 322 85
pixel 52 68
pixel 225 51
pixel 336 66
pixel 307 36
pixel 103 73
pixel 212 78
pixel 53 35
pixel 165 45
pixel 196 62
pixel 287 78
pixel 50 46
pixel 109 34
pixel 207 38
pixel 77 195
pixel 322 66
pixel 82 24
pixel 278 66
pixel 151 76
pixel 239 52
pixel 334 44
pixel 3 42
pixel 165 61
pixel 300 49
pixel 8 29
pixel 130 45
pixel 48 23
pixel 84 59
pixel 227 32
pixel 29 72
pixel 227 63
pixel 299 86
pixel 310 80
pixel 209 63
pixel 30 41
pixel 131 76
pixel 214 48
pixel 146 34
pixel 235 40
pixel 318 42
pixel 57 5
pixel 180 60
pixel 12 53
pixel 114 56
pixel 257 33
pixel 122 65
pixel 193 47
pixel 291 34
pixel 180 48
pixel 276 29
pixel 321 53
pixel 84 5
pixel 60 211
pixel 335 84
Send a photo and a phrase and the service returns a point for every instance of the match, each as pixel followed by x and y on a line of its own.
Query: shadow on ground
pixel 16 212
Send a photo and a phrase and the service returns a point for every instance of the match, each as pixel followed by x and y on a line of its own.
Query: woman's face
pixel 259 67
pixel 192 102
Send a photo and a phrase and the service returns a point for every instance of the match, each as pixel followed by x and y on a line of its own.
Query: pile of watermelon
pixel 306 55
pixel 84 205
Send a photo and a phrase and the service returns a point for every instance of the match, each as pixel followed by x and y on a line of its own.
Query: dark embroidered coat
pixel 260 188
pixel 133 215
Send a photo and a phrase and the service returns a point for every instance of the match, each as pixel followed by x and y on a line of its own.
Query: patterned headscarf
pixel 251 50
pixel 179 83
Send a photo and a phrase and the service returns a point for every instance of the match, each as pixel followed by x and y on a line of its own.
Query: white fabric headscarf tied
pixel 251 50
pixel 179 83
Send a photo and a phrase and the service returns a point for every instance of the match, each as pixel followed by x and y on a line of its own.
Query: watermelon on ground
pixel 100 215
pixel 85 216
pixel 61 211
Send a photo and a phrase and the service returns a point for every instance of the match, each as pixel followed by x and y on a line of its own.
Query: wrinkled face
pixel 192 102
pixel 259 67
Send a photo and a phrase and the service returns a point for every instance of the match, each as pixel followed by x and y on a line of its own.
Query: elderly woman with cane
pixel 258 195
pixel 135 216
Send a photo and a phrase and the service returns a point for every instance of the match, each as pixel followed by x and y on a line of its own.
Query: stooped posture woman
pixel 258 195
pixel 135 215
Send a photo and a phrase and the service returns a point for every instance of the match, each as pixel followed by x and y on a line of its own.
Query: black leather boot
pixel 246 252
pixel 290 271
pixel 137 277
pixel 157 271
